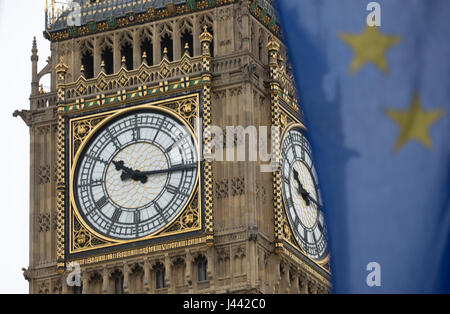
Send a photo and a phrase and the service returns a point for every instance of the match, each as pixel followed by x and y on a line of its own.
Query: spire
pixel 34 68
pixel 34 50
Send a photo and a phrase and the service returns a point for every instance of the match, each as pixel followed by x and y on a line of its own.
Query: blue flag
pixel 374 84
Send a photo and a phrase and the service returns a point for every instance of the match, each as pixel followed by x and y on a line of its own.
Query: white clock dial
pixel 136 175
pixel 301 195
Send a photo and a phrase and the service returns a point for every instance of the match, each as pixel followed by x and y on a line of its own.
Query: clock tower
pixel 124 194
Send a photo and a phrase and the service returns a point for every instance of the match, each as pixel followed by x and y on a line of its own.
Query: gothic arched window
pixel 167 43
pixel 202 268
pixel 108 59
pixel 160 276
pixel 187 38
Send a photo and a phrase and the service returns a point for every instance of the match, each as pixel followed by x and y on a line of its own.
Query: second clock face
pixel 136 175
pixel 301 195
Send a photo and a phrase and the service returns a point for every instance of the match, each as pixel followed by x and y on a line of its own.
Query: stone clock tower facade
pixel 119 192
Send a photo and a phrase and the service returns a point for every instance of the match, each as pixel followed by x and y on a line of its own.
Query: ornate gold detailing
pixel 145 74
pixel 186 108
pixel 189 220
pixel 82 238
pixel 81 130
pixel 206 39
pixel 285 120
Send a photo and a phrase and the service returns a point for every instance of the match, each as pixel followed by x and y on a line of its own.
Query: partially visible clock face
pixel 135 175
pixel 301 195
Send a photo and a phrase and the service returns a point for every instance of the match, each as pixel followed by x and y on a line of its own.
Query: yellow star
pixel 369 46
pixel 414 123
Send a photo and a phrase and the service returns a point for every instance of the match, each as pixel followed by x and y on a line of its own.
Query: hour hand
pixel 301 190
pixel 120 165
pixel 128 173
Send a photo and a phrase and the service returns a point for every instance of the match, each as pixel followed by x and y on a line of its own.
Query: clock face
pixel 135 175
pixel 301 195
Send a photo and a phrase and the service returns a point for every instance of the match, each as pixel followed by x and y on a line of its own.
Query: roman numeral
pixel 101 202
pixel 136 133
pixel 160 212
pixel 296 222
pixel 319 225
pixel 137 217
pixel 172 189
pixel 114 139
pixel 97 159
pixel 116 215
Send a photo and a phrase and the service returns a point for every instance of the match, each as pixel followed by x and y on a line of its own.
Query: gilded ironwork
pixel 82 237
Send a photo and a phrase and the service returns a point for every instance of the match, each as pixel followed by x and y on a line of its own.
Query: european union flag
pixel 377 104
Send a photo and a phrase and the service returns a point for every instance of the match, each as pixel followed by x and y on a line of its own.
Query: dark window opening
pixel 211 48
pixel 202 270
pixel 127 52
pixel 187 38
pixel 260 51
pixel 167 43
pixel 118 285
pixel 147 47
pixel 108 59
pixel 88 64
pixel 160 278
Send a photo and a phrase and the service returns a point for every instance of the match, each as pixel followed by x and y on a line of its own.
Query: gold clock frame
pixel 190 221
pixel 287 232
pixel 75 236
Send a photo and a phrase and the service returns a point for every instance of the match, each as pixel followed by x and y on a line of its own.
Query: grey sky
pixel 20 20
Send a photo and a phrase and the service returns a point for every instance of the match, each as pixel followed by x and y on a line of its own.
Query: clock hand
pixel 128 173
pixel 305 195
pixel 120 165
pixel 143 175
pixel 173 169
pixel 301 190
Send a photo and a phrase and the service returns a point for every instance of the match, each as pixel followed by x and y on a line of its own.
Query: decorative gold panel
pixel 80 129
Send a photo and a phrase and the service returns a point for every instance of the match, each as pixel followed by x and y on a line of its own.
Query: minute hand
pixel 173 169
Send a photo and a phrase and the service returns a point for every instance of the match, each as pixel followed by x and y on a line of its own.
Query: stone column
pixel 177 49
pixel 286 283
pixel 195 35
pixel 211 256
pixel 146 276
pixel 303 282
pixel 105 284
pixel 295 288
pixel 189 273
pixel 168 267
pixel 312 287
pixel 137 56
pixel 116 53
pixel 97 57
pixel 156 46
pixel 126 278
